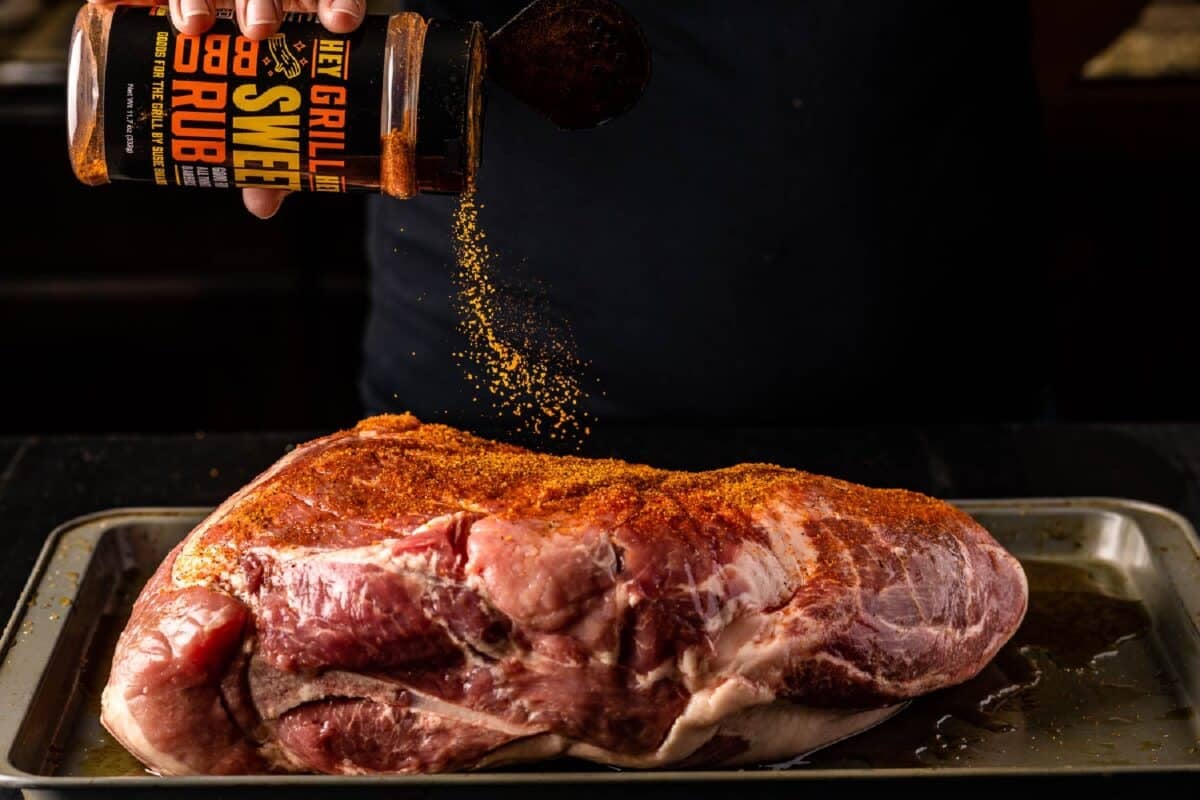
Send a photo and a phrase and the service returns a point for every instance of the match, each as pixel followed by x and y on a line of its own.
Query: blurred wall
pixel 1123 167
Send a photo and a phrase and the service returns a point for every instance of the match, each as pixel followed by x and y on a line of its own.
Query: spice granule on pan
pixel 527 367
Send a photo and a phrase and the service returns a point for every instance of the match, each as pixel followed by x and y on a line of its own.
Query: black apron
pixel 819 211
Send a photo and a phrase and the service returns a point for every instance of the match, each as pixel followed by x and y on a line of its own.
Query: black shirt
pixel 818 211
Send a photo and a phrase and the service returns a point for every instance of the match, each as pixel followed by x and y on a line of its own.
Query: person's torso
pixel 791 224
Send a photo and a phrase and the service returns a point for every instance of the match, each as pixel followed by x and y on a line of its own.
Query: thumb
pixel 263 203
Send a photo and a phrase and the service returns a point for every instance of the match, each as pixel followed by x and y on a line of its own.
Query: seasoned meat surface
pixel 405 597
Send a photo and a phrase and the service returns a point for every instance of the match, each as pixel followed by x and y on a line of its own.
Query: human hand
pixel 259 19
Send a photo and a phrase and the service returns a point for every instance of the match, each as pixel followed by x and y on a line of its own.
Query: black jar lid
pixel 450 107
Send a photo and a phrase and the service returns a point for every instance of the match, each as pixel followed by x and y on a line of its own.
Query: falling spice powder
pixel 527 365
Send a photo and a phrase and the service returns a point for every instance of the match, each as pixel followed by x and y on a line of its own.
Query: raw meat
pixel 410 598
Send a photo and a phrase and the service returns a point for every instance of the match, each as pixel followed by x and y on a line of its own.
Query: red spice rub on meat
pixel 438 601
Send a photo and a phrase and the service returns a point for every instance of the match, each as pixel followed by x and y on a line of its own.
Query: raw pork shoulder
pixel 410 598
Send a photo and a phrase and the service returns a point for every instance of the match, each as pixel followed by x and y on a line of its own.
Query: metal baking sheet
pixel 1101 681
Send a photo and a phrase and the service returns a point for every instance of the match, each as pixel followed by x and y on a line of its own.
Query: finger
pixel 193 17
pixel 341 16
pixel 263 203
pixel 259 19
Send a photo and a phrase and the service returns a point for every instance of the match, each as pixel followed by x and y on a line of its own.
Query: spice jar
pixel 396 106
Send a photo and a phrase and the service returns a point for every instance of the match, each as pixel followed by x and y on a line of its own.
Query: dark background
pixel 126 308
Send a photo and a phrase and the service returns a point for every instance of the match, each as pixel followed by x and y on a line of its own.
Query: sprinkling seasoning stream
pixel 527 364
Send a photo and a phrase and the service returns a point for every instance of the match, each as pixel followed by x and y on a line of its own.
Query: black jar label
pixel 298 111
